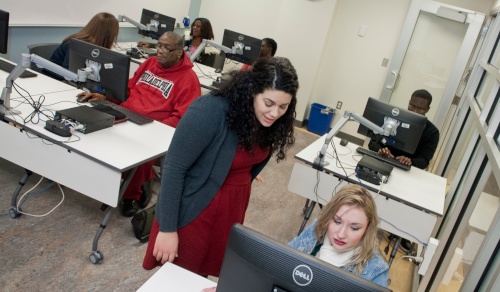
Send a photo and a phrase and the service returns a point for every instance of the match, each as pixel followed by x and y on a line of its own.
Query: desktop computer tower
pixel 373 171
pixel 87 119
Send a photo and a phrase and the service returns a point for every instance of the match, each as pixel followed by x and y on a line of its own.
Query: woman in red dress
pixel 220 145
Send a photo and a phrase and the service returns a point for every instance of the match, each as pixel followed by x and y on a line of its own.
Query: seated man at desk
pixel 420 102
pixel 267 50
pixel 162 88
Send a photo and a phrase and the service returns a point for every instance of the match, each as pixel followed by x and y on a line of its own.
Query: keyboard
pixel 131 116
pixel 8 67
pixel 392 161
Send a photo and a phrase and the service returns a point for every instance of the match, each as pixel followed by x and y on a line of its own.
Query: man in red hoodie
pixel 162 88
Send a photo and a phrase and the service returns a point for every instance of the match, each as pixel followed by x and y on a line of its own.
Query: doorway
pixel 432 53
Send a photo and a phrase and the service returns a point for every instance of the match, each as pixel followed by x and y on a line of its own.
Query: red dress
pixel 202 242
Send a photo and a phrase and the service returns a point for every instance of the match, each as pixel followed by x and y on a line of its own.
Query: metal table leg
pixel 14 211
pixel 307 214
pixel 96 256
pixel 394 249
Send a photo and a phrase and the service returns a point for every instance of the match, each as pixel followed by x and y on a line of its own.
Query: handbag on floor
pixel 142 223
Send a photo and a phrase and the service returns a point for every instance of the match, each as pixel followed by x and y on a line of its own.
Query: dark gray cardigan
pixel 197 162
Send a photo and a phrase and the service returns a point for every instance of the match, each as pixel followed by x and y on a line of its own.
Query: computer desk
pixel 408 204
pixel 40 84
pixel 206 75
pixel 171 277
pixel 93 165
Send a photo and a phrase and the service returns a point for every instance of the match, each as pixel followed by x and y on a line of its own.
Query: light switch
pixel 362 30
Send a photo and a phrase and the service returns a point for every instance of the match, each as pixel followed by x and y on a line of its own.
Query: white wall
pixel 495 5
pixel 351 69
pixel 78 13
pixel 299 27
pixel 482 6
pixel 320 38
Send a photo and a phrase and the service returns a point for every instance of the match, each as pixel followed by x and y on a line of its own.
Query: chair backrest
pixel 43 50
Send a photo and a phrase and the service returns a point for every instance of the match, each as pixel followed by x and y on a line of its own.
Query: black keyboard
pixel 8 67
pixel 131 116
pixel 392 161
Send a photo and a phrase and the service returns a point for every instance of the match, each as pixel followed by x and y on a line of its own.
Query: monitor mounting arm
pixel 149 29
pixel 319 161
pixel 205 42
pixel 26 60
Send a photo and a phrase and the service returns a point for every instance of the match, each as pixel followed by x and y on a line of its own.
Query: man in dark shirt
pixel 420 102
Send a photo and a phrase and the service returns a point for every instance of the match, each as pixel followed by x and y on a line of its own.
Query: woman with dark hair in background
pixel 201 30
pixel 220 145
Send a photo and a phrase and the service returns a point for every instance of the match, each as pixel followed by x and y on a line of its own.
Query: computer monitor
pixel 409 125
pixel 248 48
pixel 4 31
pixel 255 262
pixel 162 22
pixel 110 69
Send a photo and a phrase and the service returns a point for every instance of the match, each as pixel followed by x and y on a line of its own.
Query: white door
pixel 432 53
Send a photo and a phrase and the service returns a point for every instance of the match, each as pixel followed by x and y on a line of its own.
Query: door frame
pixel 475 21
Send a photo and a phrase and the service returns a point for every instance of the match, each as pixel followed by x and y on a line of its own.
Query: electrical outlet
pixel 385 61
pixel 339 104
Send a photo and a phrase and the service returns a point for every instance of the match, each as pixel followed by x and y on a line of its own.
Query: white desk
pixel 408 203
pixel 40 84
pixel 174 278
pixel 99 157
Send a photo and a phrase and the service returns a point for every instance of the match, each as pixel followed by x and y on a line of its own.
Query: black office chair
pixel 43 50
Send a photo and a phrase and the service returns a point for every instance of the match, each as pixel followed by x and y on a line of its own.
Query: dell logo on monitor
pixel 156 16
pixel 95 53
pixel 302 275
pixel 240 37
pixel 395 112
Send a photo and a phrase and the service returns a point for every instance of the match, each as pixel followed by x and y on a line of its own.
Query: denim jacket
pixel 376 269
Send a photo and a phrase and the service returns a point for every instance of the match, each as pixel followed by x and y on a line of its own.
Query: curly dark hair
pixel 242 87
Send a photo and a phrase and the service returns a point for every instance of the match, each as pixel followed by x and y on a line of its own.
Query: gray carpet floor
pixel 51 253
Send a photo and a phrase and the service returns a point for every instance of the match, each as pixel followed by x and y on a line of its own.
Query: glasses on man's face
pixel 164 49
pixel 417 109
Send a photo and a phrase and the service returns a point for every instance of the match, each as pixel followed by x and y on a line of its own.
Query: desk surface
pixel 418 188
pixel 120 147
pixel 92 163
pixel 40 84
pixel 174 278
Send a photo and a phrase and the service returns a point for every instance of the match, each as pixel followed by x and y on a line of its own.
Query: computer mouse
pixel 81 98
pixel 343 142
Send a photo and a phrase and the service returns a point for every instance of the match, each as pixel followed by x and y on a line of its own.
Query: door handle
pixel 394 80
pixel 396 83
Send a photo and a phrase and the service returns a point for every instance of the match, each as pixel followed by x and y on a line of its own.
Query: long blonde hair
pixel 357 196
pixel 102 30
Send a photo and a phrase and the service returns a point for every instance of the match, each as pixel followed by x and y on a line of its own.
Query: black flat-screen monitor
pixel 255 262
pixel 4 31
pixel 248 48
pixel 162 22
pixel 110 69
pixel 410 125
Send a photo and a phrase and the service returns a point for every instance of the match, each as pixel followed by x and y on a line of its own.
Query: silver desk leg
pixel 96 256
pixel 14 211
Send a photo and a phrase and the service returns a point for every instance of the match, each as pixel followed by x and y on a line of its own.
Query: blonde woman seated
pixel 345 235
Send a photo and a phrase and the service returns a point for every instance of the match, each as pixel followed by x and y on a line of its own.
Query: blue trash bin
pixel 320 119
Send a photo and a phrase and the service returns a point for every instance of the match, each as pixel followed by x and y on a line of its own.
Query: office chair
pixel 219 61
pixel 43 50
